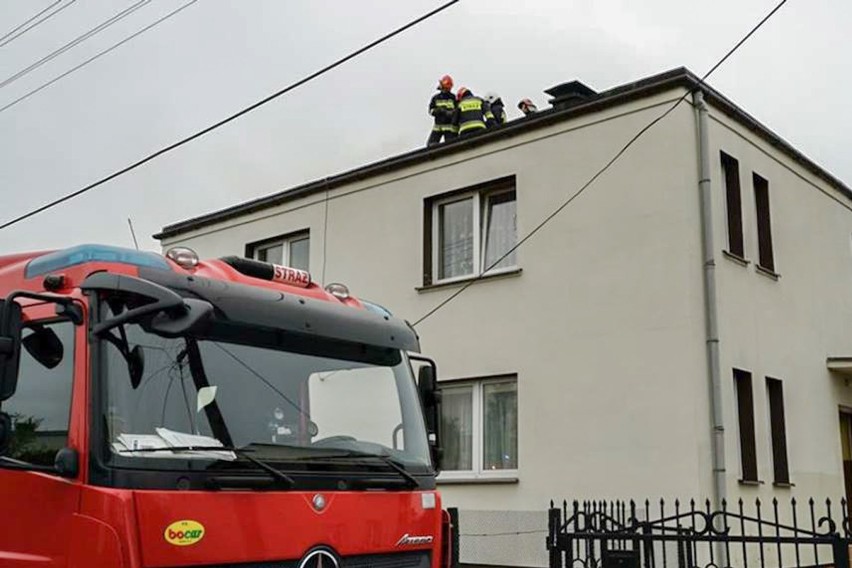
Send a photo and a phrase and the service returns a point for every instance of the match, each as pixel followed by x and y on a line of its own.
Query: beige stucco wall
pixel 785 329
pixel 604 326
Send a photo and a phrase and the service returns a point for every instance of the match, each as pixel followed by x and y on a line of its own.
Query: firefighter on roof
pixel 498 109
pixel 527 107
pixel 472 113
pixel 442 107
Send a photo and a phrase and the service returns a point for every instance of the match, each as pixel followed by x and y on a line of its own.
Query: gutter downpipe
pixel 711 316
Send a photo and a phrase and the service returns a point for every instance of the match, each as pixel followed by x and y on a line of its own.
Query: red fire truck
pixel 165 411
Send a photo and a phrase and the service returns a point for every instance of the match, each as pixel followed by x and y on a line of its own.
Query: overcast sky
pixel 220 55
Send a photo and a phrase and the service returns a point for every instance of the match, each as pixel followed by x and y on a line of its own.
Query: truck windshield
pixel 243 386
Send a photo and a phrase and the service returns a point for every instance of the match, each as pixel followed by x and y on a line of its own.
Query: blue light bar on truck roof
pixel 81 254
pixel 376 308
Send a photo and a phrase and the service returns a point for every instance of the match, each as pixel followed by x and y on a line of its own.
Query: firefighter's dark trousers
pixel 438 132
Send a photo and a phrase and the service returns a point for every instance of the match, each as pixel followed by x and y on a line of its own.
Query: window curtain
pixel 501 229
pixel 500 450
pixel 457 428
pixel 456 238
pixel 300 253
pixel 273 254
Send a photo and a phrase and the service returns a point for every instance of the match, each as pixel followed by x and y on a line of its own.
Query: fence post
pixel 454 531
pixel 554 526
pixel 647 546
pixel 840 550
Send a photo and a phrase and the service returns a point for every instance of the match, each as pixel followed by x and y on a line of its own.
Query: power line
pixel 325 232
pixel 514 533
pixel 4 40
pixel 78 40
pixel 234 116
pixel 97 56
pixel 600 172
pixel 19 26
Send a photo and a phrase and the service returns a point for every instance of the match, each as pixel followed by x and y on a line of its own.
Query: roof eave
pixel 618 95
pixel 680 77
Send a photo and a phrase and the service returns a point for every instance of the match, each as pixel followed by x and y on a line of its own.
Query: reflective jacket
pixel 443 107
pixel 499 111
pixel 472 114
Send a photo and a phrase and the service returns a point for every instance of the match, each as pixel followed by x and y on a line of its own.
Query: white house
pixel 613 354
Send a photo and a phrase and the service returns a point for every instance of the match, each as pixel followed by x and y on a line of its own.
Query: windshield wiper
pixel 242 452
pixel 387 460
pixel 319 454
pixel 398 467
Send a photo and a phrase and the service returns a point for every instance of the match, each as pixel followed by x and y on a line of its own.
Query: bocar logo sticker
pixel 184 533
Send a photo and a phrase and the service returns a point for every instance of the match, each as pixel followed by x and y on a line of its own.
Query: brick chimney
pixel 569 94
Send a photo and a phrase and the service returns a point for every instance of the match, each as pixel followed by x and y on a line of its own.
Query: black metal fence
pixel 627 534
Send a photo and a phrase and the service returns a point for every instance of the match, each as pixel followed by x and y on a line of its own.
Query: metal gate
pixel 627 534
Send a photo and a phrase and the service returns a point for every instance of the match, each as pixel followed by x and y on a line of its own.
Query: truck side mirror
pixel 427 384
pixel 44 346
pixel 67 463
pixel 5 432
pixel 10 347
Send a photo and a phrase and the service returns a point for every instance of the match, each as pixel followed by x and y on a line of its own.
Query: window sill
pixel 750 482
pixel 494 275
pixel 735 258
pixel 473 480
pixel 783 484
pixel 766 272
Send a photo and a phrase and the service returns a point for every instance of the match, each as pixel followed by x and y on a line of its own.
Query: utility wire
pixel 262 379
pixel 515 533
pixel 97 56
pixel 234 116
pixel 325 232
pixel 21 25
pixel 76 41
pixel 601 171
pixel 6 39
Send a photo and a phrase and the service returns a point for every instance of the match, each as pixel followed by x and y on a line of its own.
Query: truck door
pixel 38 507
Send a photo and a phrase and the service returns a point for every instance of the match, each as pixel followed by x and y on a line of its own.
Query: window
pixel 745 413
pixel 479 428
pixel 778 429
pixel 41 406
pixel 470 232
pixel 764 229
pixel 731 170
pixel 290 250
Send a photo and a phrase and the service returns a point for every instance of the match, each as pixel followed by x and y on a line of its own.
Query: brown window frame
pixel 778 431
pixel 745 421
pixel 766 256
pixel 733 196
pixel 505 184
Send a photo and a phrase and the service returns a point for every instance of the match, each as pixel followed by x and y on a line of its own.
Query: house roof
pixel 680 77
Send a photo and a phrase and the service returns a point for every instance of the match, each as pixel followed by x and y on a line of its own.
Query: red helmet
pixel 446 83
pixel 461 92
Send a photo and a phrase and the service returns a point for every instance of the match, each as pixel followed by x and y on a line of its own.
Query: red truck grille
pixel 399 560
pixel 419 559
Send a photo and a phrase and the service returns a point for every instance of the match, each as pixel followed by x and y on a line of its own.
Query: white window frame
pixel 480 234
pixel 285 243
pixel 478 434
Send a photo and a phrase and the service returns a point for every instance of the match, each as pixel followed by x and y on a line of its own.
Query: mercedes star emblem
pixel 319 502
pixel 319 558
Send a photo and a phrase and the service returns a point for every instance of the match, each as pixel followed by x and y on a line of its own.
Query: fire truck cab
pixel 162 411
